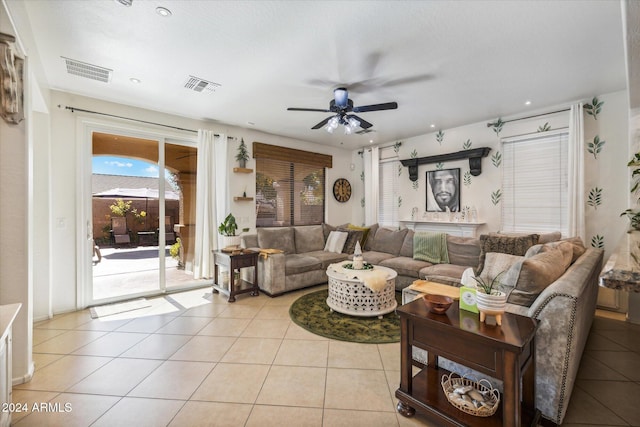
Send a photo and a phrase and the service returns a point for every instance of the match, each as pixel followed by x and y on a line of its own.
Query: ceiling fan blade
pixel 309 109
pixel 322 123
pixel 363 123
pixel 376 107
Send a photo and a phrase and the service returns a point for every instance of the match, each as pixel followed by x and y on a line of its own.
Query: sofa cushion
pixel 368 244
pixel 530 276
pixel 504 244
pixel 388 240
pixel 407 244
pixel 365 233
pixel 336 241
pixel 326 229
pixel 327 258
pixel 297 263
pixel 463 250
pixel 375 258
pixel 353 237
pixel 277 238
pixel 405 266
pixel 577 246
pixel 496 263
pixel 309 238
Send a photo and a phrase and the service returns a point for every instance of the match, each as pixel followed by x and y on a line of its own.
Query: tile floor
pixel 192 359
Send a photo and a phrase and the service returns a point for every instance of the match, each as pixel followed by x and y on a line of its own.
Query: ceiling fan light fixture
pixel 341 96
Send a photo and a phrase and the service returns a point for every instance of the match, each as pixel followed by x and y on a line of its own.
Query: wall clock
pixel 342 190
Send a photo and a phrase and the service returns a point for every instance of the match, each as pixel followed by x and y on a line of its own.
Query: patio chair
pixel 119 231
pixel 169 233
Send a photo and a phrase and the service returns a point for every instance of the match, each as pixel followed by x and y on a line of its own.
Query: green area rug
pixel 312 313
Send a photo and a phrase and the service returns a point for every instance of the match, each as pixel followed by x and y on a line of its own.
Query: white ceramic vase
pixel 492 305
pixel 227 241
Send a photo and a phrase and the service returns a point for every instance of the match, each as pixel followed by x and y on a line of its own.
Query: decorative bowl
pixel 437 304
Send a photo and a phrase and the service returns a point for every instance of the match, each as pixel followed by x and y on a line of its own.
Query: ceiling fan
pixel 342 106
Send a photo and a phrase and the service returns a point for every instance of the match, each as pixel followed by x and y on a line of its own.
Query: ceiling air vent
pixel 201 85
pixel 88 71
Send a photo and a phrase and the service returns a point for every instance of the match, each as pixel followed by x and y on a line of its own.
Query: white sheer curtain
pixel 211 192
pixel 371 185
pixel 576 198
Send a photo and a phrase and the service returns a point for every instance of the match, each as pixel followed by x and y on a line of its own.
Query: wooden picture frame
pixel 443 190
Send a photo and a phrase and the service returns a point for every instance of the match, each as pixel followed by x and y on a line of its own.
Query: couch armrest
pixel 564 311
pixel 271 274
pixel 249 241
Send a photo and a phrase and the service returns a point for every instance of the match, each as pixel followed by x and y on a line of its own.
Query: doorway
pixel 142 216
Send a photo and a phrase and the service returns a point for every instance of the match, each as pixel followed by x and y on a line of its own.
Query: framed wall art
pixel 443 190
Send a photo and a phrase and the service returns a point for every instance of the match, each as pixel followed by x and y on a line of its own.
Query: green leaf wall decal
pixel 495 196
pixel 439 165
pixel 595 197
pixel 467 178
pixel 595 146
pixel 400 167
pixel 414 185
pixel 496 158
pixel 414 153
pixel 362 176
pixel 544 128
pixel 399 201
pixel 497 126
pixel 594 108
pixel 396 146
pixel 440 137
pixel 597 241
pixel 362 202
pixel 466 145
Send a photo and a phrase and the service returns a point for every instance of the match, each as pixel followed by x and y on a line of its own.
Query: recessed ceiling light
pixel 432 126
pixel 371 141
pixel 163 11
pixel 527 102
pixel 134 80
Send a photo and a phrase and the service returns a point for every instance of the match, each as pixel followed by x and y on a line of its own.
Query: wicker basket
pixel 452 381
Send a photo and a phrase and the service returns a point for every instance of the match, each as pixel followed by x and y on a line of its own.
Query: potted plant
pixel 228 231
pixel 243 154
pixel 490 299
pixel 176 252
pixel 633 214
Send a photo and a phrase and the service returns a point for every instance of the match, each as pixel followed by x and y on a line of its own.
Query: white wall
pixel 63 176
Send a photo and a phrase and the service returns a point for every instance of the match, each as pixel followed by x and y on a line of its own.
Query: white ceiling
pixel 446 63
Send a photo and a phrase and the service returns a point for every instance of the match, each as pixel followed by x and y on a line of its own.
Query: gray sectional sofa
pixel 564 309
pixel 304 261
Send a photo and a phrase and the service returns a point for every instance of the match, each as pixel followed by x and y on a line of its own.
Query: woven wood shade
pixel 275 152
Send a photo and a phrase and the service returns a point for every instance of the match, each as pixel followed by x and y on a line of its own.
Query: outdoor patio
pixel 125 271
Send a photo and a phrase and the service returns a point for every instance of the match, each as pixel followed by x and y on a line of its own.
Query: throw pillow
pixel 365 233
pixel 371 237
pixel 353 237
pixel 531 276
pixel 504 244
pixel 326 229
pixel 336 241
pixel 496 263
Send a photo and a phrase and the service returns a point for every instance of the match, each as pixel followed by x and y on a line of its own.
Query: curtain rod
pixel 529 117
pixel 74 109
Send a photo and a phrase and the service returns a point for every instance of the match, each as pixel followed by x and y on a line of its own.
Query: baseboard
pixel 26 378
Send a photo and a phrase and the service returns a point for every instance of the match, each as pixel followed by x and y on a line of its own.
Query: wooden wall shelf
pixel 242 170
pixel 242 199
pixel 474 155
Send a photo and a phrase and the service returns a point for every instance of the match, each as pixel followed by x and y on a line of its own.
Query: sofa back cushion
pixel 463 250
pixel 388 240
pixel 407 244
pixel 277 238
pixel 308 238
pixel 368 244
pixel 530 276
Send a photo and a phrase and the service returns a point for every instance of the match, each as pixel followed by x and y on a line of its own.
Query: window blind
pixel 388 188
pixel 534 183
pixel 288 193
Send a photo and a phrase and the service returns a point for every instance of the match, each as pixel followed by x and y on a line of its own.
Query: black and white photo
pixel 443 190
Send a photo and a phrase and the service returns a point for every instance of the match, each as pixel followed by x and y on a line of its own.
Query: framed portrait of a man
pixel 443 190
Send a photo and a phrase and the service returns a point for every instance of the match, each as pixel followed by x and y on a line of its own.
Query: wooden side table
pixel 235 261
pixel 504 352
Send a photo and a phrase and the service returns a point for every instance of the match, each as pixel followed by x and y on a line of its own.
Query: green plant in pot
pixel 490 298
pixel 634 214
pixel 243 155
pixel 228 229
pixel 176 252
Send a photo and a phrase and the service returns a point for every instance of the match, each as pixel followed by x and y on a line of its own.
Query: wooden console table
pixel 504 352
pixel 235 261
